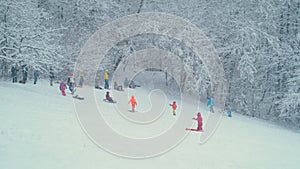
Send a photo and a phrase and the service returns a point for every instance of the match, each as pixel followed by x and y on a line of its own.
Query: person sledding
pixel 174 107
pixel 199 120
pixel 227 109
pixel 108 98
pixel 78 97
pixel 62 87
pixel 97 84
pixel 133 103
pixel 132 85
pixel 118 87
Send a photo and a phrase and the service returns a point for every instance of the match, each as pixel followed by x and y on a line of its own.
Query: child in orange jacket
pixel 133 103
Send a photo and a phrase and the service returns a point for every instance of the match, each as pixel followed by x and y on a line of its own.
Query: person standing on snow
pixel 24 73
pixel 14 72
pixel 174 107
pixel 35 75
pixel 133 103
pixel 210 104
pixel 126 83
pixel 71 82
pixel 51 76
pixel 81 80
pixel 108 97
pixel 62 87
pixel 200 123
pixel 106 85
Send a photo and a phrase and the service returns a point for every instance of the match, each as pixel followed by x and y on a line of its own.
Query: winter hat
pixel 198 114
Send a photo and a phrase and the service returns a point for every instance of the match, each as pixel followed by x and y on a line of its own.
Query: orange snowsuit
pixel 133 103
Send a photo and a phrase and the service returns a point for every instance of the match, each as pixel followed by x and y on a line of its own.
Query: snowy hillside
pixel 39 130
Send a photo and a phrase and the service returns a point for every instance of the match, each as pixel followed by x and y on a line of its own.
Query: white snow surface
pixel 39 129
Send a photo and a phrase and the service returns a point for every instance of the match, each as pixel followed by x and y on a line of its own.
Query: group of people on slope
pixel 25 70
pixel 127 83
pixel 70 84
pixel 210 104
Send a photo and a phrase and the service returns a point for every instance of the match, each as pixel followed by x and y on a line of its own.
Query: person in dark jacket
pixel 24 73
pixel 35 75
pixel 126 83
pixel 14 74
pixel 81 80
pixel 51 76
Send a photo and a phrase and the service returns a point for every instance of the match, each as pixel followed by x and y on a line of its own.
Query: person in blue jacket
pixel 210 104
pixel 228 110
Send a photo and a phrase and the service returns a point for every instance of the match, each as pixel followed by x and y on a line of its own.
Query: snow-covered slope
pixel 39 130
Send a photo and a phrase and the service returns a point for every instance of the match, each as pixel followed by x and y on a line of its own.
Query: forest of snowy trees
pixel 258 43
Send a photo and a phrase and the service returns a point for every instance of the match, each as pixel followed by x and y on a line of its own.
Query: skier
pixel 133 103
pixel 35 75
pixel 81 80
pixel 51 76
pixel 228 110
pixel 108 98
pixel 62 87
pixel 14 72
pixel 199 120
pixel 174 107
pixel 106 85
pixel 210 104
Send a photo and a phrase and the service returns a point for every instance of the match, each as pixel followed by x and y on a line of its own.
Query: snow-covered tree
pixel 25 40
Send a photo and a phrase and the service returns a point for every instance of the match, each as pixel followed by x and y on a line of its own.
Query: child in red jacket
pixel 199 119
pixel 62 87
pixel 174 107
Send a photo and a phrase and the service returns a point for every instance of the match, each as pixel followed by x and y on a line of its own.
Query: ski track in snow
pixel 39 130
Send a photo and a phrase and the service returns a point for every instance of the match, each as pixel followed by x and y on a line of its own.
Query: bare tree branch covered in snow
pixel 26 39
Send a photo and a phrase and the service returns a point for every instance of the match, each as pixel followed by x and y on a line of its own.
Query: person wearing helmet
pixel 174 107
